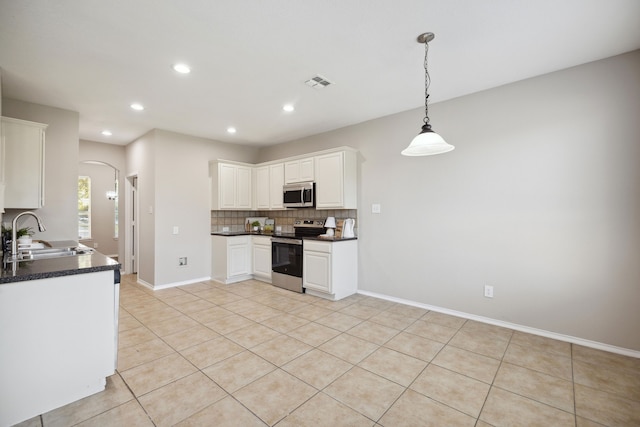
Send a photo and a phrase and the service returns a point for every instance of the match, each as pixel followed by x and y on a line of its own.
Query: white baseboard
pixel 234 279
pixel 173 284
pixel 514 326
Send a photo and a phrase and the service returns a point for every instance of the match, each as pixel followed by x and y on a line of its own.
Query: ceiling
pixel 250 57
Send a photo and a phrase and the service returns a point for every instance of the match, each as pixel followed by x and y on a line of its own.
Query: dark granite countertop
pixel 285 235
pixel 56 267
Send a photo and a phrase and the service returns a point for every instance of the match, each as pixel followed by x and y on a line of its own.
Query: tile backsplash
pixel 235 220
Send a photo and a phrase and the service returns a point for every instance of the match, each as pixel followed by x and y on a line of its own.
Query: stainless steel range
pixel 286 254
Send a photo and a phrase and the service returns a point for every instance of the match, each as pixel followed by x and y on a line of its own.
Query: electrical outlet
pixel 182 261
pixel 488 291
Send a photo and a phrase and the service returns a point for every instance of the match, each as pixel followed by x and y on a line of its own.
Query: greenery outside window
pixel 84 207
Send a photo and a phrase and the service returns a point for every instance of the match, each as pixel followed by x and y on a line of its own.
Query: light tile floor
pixel 250 354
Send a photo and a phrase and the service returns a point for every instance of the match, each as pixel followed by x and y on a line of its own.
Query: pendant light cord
pixel 427 82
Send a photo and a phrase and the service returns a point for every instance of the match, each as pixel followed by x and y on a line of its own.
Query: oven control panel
pixel 310 223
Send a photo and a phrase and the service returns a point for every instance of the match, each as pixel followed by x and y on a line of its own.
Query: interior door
pixel 131 252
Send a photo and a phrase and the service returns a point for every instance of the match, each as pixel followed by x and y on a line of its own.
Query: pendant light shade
pixel 427 142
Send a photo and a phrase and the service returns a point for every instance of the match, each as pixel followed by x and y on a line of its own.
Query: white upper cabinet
pixel 299 170
pixel 230 185
pixel 22 163
pixel 276 181
pixel 242 186
pixel 262 187
pixel 268 183
pixel 336 180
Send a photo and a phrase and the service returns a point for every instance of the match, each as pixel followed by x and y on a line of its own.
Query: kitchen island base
pixel 58 340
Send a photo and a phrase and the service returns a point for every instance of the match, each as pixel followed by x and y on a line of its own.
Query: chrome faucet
pixel 14 232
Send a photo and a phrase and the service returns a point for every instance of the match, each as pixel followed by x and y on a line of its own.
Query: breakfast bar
pixel 58 329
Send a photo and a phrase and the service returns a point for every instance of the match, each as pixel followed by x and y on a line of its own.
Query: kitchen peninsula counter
pixel 59 332
pixel 61 266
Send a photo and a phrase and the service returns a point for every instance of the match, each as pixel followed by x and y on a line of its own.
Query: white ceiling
pixel 249 57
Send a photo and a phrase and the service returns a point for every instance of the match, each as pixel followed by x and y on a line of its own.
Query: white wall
pixel 540 199
pixel 59 214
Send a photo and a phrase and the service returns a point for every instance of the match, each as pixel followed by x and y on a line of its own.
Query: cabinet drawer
pixel 238 240
pixel 261 241
pixel 315 246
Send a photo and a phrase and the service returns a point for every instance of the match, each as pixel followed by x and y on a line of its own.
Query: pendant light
pixel 427 142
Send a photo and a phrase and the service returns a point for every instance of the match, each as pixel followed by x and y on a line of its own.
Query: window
pixel 115 231
pixel 84 207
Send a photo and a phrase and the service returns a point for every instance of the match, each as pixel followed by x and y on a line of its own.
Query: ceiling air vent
pixel 318 82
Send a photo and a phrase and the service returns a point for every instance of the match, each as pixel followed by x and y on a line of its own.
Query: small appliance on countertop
pixel 347 228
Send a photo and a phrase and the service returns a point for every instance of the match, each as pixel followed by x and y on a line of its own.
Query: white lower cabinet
pixel 262 258
pixel 330 269
pixel 230 258
pixel 61 344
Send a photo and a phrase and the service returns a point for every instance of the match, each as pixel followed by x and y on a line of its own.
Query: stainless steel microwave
pixel 299 195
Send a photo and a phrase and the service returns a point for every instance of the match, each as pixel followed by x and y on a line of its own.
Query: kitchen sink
pixel 50 250
pixel 34 254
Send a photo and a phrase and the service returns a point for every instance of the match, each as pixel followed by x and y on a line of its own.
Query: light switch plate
pixel 375 208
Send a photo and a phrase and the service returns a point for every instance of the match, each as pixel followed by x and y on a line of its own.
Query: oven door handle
pixel 286 241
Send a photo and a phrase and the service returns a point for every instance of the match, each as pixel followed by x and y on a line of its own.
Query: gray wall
pixel 141 159
pixel 540 198
pixel 173 172
pixel 114 155
pixel 102 209
pixel 59 214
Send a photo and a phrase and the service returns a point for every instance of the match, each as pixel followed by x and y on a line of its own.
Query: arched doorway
pixel 99 207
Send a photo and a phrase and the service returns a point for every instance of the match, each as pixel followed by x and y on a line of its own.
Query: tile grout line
pixel 379 346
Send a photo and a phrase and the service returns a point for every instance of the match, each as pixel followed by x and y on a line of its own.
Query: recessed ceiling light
pixel 231 130
pixel 288 108
pixel 182 68
pixel 137 107
pixel 106 132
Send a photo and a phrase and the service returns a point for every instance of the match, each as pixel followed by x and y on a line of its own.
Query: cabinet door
pixel 238 257
pixel 243 187
pixel 226 186
pixel 262 260
pixel 307 172
pixel 262 187
pixel 330 180
pixel 300 170
pixel 292 172
pixel 317 271
pixel 23 163
pixel 276 181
